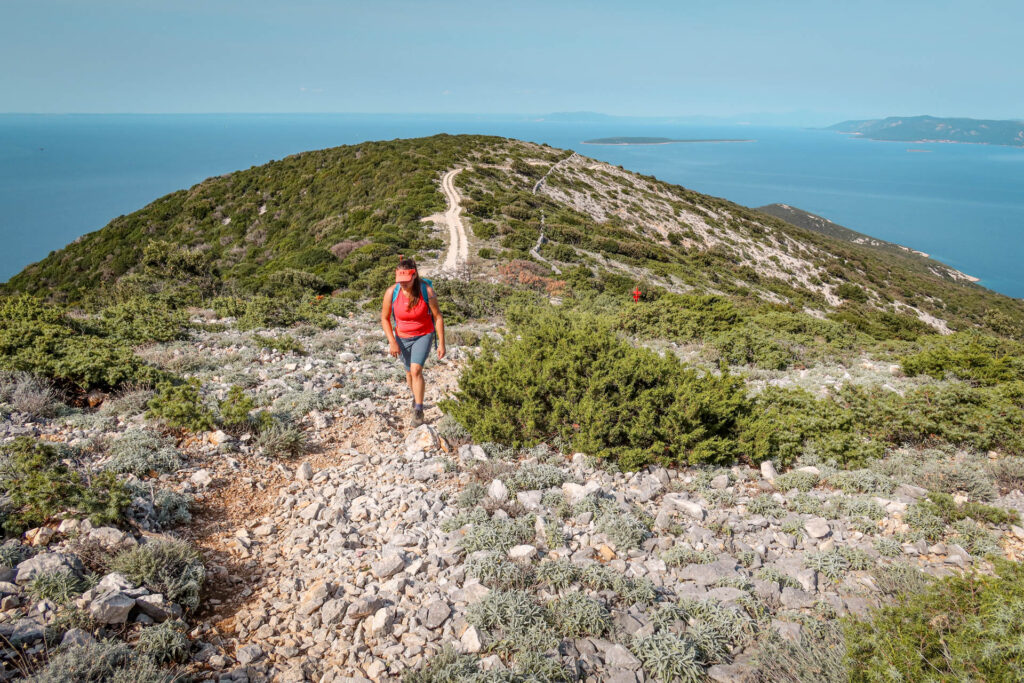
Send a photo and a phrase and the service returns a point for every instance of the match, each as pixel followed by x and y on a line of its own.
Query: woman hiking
pixel 412 304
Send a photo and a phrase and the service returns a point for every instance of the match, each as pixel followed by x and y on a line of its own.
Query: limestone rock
pixel 45 563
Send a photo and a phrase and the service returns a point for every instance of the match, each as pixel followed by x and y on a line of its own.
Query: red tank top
pixel 411 322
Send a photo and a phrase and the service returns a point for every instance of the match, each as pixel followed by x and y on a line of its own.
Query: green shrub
pixel 236 413
pixel 284 343
pixel 142 319
pixel 532 476
pixel 171 567
pixel 622 529
pixel 575 615
pixel 669 657
pixel 558 574
pixel 43 339
pixel 852 292
pixel 567 375
pixel 495 571
pixel 164 643
pixel 815 657
pixel 40 487
pixel 179 406
pixel 92 663
pixel 498 534
pixel 515 620
pixel 282 441
pixel 445 667
pixel 681 555
pixel 959 628
pixel 802 481
pixel 969 356
pixel 60 586
pixel 142 452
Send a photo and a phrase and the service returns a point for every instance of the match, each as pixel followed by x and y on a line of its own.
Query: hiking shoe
pixel 417 418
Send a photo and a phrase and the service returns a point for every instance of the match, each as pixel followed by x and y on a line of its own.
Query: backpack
pixel 424 292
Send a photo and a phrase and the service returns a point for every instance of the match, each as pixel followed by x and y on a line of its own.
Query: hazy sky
pixel 714 57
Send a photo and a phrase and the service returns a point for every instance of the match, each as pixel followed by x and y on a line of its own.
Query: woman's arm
pixel 385 321
pixel 438 322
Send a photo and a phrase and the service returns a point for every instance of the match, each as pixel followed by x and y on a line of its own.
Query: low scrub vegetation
pixel 960 628
pixel 40 486
pixel 556 375
pixel 569 376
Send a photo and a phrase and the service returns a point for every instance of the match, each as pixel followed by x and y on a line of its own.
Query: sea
pixel 62 176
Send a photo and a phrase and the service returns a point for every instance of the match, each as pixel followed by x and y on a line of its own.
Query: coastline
pixel 660 142
pixel 928 141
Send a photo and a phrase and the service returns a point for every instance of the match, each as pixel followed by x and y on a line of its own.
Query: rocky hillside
pixel 336 219
pixel 772 467
pixel 372 551
pixel 815 223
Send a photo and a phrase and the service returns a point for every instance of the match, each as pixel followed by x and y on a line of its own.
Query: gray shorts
pixel 414 350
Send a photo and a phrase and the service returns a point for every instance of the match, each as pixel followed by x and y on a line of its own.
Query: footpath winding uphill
pixel 458 244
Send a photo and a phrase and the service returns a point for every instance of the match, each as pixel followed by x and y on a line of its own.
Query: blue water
pixel 62 176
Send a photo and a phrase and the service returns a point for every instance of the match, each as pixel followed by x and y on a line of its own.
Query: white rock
pixel 423 438
pixel 157 607
pixel 471 642
pixel 333 611
pixel 382 621
pixel 388 566
pixel 498 491
pixel 687 507
pixel 76 636
pixel 111 608
pixel 248 654
pixel 574 493
pixel 201 478
pixel 44 563
pixel 304 472
pixel 817 528
pixel 522 552
pixel 768 470
pixel 219 437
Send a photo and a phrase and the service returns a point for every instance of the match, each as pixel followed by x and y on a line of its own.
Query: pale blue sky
pixel 723 57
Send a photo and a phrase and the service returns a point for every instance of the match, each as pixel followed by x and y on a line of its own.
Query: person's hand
pixel 393 349
pixel 440 351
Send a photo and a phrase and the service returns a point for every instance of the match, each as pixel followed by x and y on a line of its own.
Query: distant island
pixel 653 141
pixel 935 129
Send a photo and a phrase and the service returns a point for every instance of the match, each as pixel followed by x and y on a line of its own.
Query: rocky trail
pixel 384 549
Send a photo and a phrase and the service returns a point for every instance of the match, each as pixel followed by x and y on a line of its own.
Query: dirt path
pixel 458 244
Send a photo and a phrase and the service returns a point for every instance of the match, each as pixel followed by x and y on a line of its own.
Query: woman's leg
pixel 416 383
